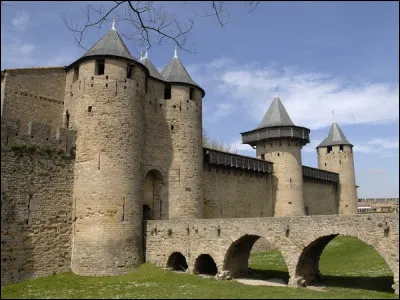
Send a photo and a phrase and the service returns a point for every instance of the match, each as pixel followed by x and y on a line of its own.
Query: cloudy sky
pixel 320 57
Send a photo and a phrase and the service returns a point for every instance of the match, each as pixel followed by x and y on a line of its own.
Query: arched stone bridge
pixel 300 240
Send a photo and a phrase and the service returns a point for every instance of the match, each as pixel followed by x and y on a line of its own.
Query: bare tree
pixel 211 143
pixel 149 22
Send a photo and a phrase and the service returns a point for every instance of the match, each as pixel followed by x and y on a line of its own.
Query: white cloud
pixel 308 97
pixel 20 21
pixel 373 170
pixel 310 147
pixel 382 146
pixel 391 143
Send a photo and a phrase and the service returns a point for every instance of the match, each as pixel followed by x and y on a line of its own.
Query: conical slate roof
pixel 335 137
pixel 152 69
pixel 276 115
pixel 176 72
pixel 110 44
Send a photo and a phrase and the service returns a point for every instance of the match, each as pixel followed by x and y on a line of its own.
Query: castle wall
pixel 320 197
pixel 34 94
pixel 108 186
pixel 231 193
pixel 158 152
pixel 36 202
pixel 287 179
pixel 342 163
pixel 184 117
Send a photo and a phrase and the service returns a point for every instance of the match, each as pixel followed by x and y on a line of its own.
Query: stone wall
pixel 34 94
pixel 108 185
pixel 320 197
pixel 36 202
pixel 341 162
pixel 232 193
pixel 287 180
pixel 158 152
pixel 299 239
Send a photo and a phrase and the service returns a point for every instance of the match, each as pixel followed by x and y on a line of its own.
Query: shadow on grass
pixel 267 274
pixel 380 284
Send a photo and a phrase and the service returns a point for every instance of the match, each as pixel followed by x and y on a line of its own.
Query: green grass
pixel 350 269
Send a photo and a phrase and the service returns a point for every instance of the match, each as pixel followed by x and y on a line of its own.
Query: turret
pixel 335 154
pixel 278 140
pixel 104 102
pixel 184 110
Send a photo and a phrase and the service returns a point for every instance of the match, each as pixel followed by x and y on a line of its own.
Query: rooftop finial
pixel 146 55
pixel 176 53
pixel 276 92
pixel 113 25
pixel 141 54
pixel 333 116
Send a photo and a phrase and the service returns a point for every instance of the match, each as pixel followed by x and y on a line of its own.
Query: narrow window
pixel 329 149
pixel 100 67
pixel 307 212
pixel 278 153
pixel 145 85
pixel 129 72
pixel 341 148
pixel 67 119
pixel 167 92
pixel 76 74
pixel 263 156
pixel 191 94
pixel 172 127
pixel 89 109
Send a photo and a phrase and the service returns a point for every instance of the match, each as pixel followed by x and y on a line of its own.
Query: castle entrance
pixel 152 202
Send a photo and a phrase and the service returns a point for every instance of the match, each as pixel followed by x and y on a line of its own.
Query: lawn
pixel 350 269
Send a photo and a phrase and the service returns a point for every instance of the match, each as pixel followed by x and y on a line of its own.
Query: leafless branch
pixel 148 22
pixel 218 10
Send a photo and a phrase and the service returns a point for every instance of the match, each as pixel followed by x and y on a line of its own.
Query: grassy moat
pixel 349 268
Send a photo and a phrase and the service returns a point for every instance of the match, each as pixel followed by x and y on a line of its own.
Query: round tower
pixel 335 154
pixel 278 140
pixel 107 228
pixel 184 115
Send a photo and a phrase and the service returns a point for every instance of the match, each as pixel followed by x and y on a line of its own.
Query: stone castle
pixel 93 150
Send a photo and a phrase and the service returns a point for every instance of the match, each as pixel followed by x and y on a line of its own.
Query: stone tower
pixel 184 114
pixel 103 101
pixel 278 140
pixel 335 154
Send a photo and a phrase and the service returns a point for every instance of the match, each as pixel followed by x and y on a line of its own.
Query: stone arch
pixel 205 264
pixel 152 195
pixel 177 262
pixel 237 256
pixel 307 268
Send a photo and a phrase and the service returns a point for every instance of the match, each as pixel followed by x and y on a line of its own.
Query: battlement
pixel 219 158
pixel 36 136
pixel 320 174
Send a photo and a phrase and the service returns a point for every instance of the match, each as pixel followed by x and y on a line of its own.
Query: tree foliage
pixel 211 143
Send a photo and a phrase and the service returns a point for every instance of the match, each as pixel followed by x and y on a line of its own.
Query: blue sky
pixel 320 56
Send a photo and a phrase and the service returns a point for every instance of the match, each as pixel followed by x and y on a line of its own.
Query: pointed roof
pixel 335 137
pixel 276 115
pixel 110 44
pixel 152 69
pixel 176 72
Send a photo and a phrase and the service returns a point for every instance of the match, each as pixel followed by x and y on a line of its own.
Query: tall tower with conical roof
pixel 104 103
pixel 278 140
pixel 184 114
pixel 335 154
